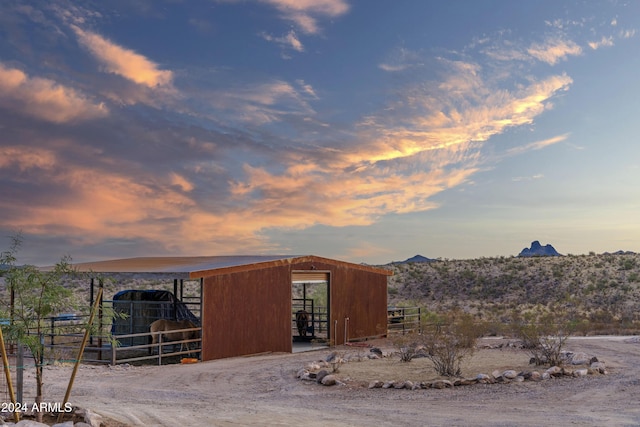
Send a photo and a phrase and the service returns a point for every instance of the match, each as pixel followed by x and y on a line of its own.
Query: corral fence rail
pixel 63 336
pixel 404 320
pixel 136 353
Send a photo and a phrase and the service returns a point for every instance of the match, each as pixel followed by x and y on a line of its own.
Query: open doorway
pixel 310 308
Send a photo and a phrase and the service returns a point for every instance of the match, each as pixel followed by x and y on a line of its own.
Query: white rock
pixel 580 372
pixel 580 359
pixel 510 374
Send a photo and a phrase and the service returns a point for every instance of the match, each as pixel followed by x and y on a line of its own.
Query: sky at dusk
pixel 367 131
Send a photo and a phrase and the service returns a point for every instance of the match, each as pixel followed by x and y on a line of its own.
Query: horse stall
pixel 249 304
pixel 141 308
pixel 148 323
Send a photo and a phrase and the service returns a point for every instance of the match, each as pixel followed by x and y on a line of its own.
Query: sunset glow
pixel 359 130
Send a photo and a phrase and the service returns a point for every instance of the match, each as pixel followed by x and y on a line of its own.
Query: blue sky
pixel 367 131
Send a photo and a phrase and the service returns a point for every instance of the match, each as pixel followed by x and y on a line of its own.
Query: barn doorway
pixel 310 309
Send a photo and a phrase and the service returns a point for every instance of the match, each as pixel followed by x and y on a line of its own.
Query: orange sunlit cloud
pixel 301 11
pixel 553 51
pixel 45 99
pixel 445 127
pixel 124 62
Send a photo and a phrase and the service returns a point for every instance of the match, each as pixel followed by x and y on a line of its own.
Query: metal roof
pixel 202 266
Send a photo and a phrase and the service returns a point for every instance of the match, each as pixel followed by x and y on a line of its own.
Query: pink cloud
pixel 124 62
pixel 44 98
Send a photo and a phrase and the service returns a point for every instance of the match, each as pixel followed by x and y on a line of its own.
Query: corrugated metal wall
pixel 250 312
pixel 246 313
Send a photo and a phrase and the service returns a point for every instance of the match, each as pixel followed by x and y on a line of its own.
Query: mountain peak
pixel 538 250
pixel 416 258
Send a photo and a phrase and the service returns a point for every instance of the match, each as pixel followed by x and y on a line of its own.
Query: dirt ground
pixel 262 390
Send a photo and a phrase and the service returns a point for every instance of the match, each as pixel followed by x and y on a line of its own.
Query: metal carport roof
pixel 202 266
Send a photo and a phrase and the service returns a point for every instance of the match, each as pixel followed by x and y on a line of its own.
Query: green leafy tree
pixel 36 295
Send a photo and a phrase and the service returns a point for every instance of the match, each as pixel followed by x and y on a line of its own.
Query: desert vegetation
pixel 595 294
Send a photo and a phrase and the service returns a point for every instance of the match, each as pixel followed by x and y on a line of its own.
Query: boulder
pixel 598 367
pixel 408 385
pixel 321 374
pixel 554 371
pixel 29 423
pixel 376 351
pixel 376 384
pixel 329 380
pixel 580 372
pixel 579 359
pixel 440 384
pixel 484 379
pixel 535 376
pixel 90 417
pixel 510 374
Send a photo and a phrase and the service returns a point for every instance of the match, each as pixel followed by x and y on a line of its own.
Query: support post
pixel 175 299
pixel 7 374
pixel 20 372
pixel 87 332
pixel 100 325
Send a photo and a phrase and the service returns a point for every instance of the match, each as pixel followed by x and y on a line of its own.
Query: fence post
pixel 53 328
pixel 159 349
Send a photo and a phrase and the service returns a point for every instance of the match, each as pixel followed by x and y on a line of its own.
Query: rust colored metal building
pixel 248 301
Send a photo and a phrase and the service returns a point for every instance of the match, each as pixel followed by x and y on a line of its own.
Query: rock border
pixel 324 372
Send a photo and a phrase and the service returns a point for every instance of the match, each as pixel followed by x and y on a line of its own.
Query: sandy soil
pixel 262 390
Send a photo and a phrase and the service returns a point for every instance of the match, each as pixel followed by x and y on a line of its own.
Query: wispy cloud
pixel 603 42
pixel 537 145
pixel 627 34
pixel 527 178
pixel 400 159
pixel 304 13
pixel 456 112
pixel 554 50
pixel 263 103
pixel 44 98
pixel 290 40
pixel 399 60
pixel 392 67
pixel 124 62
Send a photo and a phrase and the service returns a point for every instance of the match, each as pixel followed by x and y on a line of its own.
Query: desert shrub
pixel 446 341
pixel 407 345
pixel 545 336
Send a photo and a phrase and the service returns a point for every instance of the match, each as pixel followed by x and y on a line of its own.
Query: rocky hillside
pixel 597 288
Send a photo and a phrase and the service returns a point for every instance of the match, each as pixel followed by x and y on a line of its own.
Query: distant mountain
pixel 417 258
pixel 620 252
pixel 538 250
